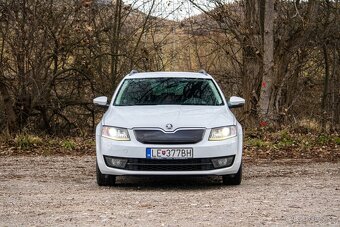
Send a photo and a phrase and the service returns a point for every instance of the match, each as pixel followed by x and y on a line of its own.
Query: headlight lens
pixel 222 133
pixel 120 134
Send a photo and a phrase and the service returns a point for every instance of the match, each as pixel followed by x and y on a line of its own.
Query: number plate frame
pixel 169 153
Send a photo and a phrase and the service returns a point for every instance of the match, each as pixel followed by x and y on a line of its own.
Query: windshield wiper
pixel 145 104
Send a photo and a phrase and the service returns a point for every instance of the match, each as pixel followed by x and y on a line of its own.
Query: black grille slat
pixel 155 136
pixel 198 164
pixel 193 164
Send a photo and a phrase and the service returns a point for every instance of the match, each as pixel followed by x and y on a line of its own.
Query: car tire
pixel 104 179
pixel 234 179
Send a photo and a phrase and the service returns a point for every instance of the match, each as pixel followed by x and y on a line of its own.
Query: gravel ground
pixel 59 190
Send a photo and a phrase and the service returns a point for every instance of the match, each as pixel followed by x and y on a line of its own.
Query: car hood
pixel 159 116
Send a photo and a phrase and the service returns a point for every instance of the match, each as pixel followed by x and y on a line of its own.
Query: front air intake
pixel 157 136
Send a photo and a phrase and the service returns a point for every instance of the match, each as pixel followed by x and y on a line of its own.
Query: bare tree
pixel 266 101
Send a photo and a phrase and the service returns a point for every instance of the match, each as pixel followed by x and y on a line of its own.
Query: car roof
pixel 134 75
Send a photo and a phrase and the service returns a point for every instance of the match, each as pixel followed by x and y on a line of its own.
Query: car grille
pixel 196 164
pixel 184 136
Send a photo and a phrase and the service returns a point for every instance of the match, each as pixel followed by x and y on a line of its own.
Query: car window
pixel 168 91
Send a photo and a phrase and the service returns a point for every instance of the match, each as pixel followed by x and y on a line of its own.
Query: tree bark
pixel 325 87
pixel 252 60
pixel 266 112
pixel 10 120
pixel 115 42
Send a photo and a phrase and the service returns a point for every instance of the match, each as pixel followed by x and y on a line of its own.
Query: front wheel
pixel 234 179
pixel 104 179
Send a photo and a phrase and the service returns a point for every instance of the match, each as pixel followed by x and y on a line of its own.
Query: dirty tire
pixel 234 179
pixel 104 179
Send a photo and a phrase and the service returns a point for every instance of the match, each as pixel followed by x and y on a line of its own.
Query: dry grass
pixel 258 144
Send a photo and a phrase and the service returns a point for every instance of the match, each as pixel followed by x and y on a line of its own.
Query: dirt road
pixel 62 190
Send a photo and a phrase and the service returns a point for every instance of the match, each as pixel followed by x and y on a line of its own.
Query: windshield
pixel 168 91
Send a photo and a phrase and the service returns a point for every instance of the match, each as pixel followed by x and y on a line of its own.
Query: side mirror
pixel 235 102
pixel 101 101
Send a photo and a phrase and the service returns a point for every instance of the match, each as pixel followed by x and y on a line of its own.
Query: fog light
pixel 115 162
pixel 223 162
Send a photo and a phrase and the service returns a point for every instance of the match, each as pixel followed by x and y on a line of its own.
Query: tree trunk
pixel 10 116
pixel 325 92
pixel 250 80
pixel 115 42
pixel 266 112
pixel 336 90
pixel 252 62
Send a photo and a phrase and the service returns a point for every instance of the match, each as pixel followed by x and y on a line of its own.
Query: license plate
pixel 169 153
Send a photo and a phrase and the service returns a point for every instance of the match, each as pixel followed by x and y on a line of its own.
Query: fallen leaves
pixel 289 145
pixel 277 145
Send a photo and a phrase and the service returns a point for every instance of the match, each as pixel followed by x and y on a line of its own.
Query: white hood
pixel 159 116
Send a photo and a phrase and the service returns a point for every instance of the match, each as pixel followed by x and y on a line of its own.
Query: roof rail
pixel 133 72
pixel 203 72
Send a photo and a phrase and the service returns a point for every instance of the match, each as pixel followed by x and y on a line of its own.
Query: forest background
pixel 283 57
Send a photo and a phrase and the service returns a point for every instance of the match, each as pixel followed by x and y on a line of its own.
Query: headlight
pixel 120 134
pixel 222 133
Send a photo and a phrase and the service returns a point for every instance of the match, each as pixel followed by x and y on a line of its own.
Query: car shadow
pixel 168 182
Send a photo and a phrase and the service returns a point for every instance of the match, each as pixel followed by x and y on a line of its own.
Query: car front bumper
pixel 136 150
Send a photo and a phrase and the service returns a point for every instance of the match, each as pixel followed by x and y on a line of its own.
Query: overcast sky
pixel 171 9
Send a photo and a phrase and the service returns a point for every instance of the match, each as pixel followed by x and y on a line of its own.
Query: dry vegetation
pixel 56 56
pixel 259 144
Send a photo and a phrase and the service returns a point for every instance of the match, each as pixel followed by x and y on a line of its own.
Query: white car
pixel 169 123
